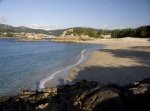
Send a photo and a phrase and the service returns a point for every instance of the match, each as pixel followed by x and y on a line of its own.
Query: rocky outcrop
pixel 82 96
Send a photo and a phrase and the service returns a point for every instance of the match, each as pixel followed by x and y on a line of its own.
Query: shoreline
pixel 97 63
pixel 57 78
pixel 25 40
pixel 122 61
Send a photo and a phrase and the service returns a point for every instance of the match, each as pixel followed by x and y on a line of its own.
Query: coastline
pixel 122 61
pixel 25 40
pixel 69 97
pixel 31 40
pixel 56 79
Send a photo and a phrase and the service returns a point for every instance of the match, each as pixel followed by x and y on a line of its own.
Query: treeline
pixel 57 32
pixel 88 31
pixel 142 32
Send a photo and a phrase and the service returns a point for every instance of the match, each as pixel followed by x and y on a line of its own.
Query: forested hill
pixel 57 32
pixel 10 29
pixel 91 32
pixel 85 28
pixel 142 32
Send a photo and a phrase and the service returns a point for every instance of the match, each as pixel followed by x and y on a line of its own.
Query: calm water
pixel 24 65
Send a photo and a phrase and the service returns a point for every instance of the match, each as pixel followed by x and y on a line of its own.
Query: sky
pixel 59 14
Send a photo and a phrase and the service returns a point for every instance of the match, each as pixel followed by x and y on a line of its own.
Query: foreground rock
pixel 82 96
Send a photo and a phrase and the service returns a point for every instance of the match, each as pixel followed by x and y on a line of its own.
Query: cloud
pixel 41 26
pixel 2 19
pixel 105 26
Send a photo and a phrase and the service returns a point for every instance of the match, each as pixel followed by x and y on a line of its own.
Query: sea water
pixel 28 65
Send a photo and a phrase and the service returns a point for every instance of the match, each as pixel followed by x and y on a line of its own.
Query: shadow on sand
pixel 120 74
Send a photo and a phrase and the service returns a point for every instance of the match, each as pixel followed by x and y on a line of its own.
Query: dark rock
pixel 97 99
pixel 137 97
pixel 83 96
pixel 146 80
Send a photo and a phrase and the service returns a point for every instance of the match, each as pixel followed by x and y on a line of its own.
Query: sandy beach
pixel 122 61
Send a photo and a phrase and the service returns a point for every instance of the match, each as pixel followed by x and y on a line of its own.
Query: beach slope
pixel 122 61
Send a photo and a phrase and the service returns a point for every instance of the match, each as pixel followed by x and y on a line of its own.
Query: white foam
pixel 42 82
pixel 81 59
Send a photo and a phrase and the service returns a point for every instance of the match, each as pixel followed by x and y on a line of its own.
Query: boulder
pixel 97 99
pixel 82 96
pixel 137 97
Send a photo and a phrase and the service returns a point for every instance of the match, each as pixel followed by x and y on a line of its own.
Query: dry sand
pixel 122 61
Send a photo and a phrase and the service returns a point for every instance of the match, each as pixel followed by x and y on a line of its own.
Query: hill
pixel 142 31
pixel 10 29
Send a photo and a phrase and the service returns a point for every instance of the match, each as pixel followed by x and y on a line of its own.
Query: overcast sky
pixel 54 14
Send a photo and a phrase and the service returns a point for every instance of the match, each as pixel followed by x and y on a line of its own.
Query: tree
pixel 9 35
pixel 143 32
pixel 115 33
pixel 101 32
